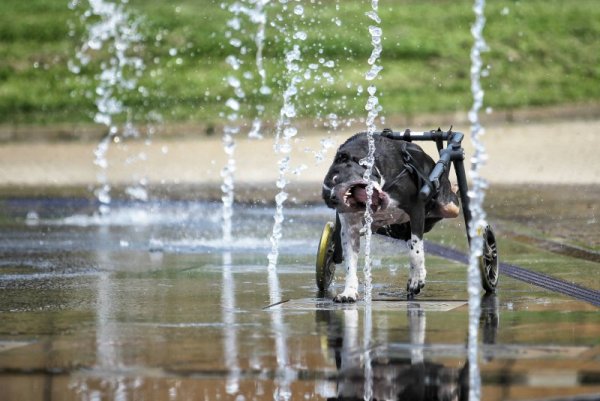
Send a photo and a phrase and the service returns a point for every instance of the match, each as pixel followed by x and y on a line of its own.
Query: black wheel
pixel 325 265
pixel 488 262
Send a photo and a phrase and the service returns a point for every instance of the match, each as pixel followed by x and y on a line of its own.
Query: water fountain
pixel 241 14
pixel 113 31
pixel 476 195
pixel 373 109
pixel 285 131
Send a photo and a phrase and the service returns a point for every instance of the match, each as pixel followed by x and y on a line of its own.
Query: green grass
pixel 542 52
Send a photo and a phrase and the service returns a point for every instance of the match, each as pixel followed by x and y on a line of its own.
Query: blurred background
pixel 542 54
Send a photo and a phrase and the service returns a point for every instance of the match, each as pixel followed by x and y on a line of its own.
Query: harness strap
pixel 419 177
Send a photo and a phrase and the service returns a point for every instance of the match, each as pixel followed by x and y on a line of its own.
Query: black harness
pixel 419 177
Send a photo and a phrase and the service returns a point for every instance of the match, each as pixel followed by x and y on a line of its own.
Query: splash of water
pixel 284 133
pixel 231 129
pixel 228 180
pixel 476 195
pixel 255 15
pixel 113 30
pixel 259 17
pixel 373 109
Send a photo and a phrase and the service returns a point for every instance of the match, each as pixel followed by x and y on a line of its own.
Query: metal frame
pixel 452 153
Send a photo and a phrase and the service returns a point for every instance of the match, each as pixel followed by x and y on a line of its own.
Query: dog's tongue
pixel 360 194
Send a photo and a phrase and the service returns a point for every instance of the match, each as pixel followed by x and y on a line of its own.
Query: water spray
pixel 115 32
pixel 284 131
pixel 373 109
pixel 233 104
pixel 476 194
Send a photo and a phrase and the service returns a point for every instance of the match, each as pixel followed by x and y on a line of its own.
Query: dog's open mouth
pixel 355 197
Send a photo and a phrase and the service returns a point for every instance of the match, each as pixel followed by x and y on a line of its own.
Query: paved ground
pixel 150 303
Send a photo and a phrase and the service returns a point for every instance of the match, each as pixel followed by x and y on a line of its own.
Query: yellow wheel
pixel 488 261
pixel 325 265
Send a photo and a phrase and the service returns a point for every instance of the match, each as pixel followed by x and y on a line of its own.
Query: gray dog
pixel 397 176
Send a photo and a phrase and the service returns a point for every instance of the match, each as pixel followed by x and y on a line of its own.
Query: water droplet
pixel 373 72
pixel 32 218
pixel 233 82
pixel 290 132
pixel 300 35
pixel 232 104
pixel 373 15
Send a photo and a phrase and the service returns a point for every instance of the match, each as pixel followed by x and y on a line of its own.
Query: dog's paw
pixel 346 297
pixel 414 286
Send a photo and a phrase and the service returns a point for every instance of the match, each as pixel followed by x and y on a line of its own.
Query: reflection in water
pixel 489 319
pixel 368 338
pixel 108 357
pixel 396 373
pixel 416 324
pixel 230 347
pixel 285 375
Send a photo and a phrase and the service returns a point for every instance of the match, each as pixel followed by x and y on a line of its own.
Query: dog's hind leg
pixel 350 233
pixel 448 205
pixel 416 279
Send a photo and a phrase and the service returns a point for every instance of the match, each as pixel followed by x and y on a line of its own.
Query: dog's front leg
pixel 416 279
pixel 350 233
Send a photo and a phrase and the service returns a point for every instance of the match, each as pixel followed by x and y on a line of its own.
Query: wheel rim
pixel 488 262
pixel 325 267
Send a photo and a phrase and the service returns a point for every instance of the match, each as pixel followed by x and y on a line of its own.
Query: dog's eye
pixel 341 158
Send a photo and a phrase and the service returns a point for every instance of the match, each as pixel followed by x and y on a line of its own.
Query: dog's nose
pixel 333 199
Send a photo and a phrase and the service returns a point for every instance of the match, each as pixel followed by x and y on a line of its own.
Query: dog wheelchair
pixel 330 248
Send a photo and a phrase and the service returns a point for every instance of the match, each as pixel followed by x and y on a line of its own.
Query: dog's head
pixel 344 187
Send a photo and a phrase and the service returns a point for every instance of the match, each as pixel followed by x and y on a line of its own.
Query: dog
pixel 398 173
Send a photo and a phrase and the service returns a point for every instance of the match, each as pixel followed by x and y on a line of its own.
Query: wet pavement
pixel 150 304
